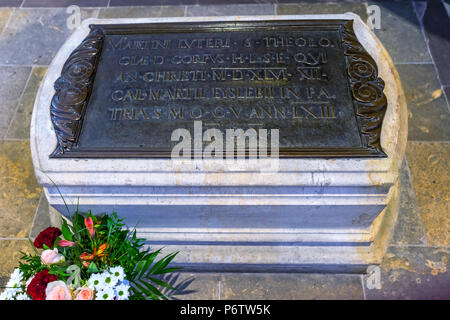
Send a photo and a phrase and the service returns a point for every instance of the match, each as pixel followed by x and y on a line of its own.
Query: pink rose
pixel 84 293
pixel 49 257
pixel 58 290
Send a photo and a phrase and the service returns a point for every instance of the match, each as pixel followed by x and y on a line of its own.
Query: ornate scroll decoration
pixel 73 88
pixel 366 88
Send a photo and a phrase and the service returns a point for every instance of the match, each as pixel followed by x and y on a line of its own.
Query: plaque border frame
pixel 73 88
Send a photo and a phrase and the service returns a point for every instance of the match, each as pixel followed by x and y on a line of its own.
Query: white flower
pixel 22 296
pixel 117 272
pixel 122 292
pixel 105 294
pixel 14 291
pixel 109 279
pixel 9 293
pixel 6 295
pixel 96 281
pixel 29 281
pixel 12 283
pixel 17 275
pixel 15 279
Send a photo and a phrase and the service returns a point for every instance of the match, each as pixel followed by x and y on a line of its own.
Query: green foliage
pixel 102 243
pixel 30 264
pixel 66 231
pixel 141 278
pixel 98 243
pixel 121 247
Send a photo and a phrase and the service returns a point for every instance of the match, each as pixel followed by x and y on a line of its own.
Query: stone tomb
pixel 319 91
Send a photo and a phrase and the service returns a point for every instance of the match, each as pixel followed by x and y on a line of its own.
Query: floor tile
pixel 142 12
pixel 9 257
pixel 19 190
pixel 4 16
pixel 400 32
pixel 290 286
pixel 193 286
pixel 37 34
pixel 409 229
pixel 428 115
pixel 114 3
pixel 225 10
pixel 222 2
pixel 20 125
pixel 429 165
pixel 64 3
pixel 320 8
pixel 436 24
pixel 12 83
pixel 11 3
pixel 412 273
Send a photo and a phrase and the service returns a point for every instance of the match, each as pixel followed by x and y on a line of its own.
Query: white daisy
pixel 13 283
pixel 117 272
pixel 9 294
pixel 22 296
pixel 122 292
pixel 5 295
pixel 96 281
pixel 15 279
pixel 105 294
pixel 17 275
pixel 109 279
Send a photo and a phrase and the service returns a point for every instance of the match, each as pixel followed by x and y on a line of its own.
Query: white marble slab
pixel 213 210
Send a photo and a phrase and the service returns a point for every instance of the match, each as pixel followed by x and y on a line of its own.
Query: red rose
pixel 47 237
pixel 37 286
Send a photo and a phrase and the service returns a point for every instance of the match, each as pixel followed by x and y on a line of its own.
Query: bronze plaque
pixel 127 87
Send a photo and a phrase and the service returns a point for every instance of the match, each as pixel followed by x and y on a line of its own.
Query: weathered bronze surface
pixel 126 88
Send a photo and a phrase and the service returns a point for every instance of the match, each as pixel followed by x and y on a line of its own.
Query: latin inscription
pixel 131 86
pixel 257 69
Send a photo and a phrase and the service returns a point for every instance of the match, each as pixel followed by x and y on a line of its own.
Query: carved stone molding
pixel 73 88
pixel 366 87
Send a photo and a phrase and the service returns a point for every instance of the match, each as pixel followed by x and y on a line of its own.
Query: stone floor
pixel 417 36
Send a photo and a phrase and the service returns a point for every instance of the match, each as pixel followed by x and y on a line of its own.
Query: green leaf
pixel 58 272
pixel 45 246
pixel 154 290
pixel 161 264
pixel 138 269
pixel 145 291
pixel 161 283
pixel 66 232
pixel 148 261
pixel 92 268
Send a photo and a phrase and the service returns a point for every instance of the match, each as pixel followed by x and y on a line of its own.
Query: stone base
pixel 331 215
pixel 296 238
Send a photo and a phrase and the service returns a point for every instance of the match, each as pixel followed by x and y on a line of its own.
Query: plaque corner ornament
pixel 367 90
pixel 72 91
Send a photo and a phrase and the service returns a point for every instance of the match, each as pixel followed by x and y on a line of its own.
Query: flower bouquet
pixel 93 258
